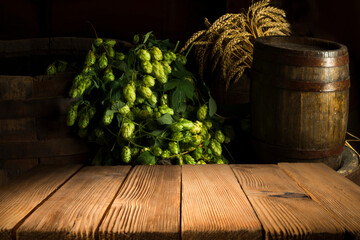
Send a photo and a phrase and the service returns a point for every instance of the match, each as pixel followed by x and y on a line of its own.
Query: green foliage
pixel 142 105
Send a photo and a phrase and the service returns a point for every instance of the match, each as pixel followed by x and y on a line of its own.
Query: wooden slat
pixel 214 206
pixel 147 207
pixel 77 208
pixel 76 158
pixel 17 130
pixel 46 148
pixel 16 87
pixel 337 194
pixel 19 198
pixel 53 127
pixel 283 207
pixel 34 108
pixel 52 86
pixel 3 176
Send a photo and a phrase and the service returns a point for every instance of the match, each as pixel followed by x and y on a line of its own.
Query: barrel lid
pixel 302 51
pixel 302 46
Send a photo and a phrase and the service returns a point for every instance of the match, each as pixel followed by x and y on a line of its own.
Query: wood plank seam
pixel 256 214
pixel 97 237
pixel 309 195
pixel 41 203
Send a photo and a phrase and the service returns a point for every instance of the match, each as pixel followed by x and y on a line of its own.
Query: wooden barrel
pixel 299 99
pixel 33 106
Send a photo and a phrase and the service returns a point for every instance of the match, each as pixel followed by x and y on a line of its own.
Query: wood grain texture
pixel 337 194
pixel 214 206
pixel 16 87
pixel 18 130
pixel 34 108
pixel 19 198
pixel 76 210
pixel 46 148
pixel 283 208
pixel 147 206
pixel 81 158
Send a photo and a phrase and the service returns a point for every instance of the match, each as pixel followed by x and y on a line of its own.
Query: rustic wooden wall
pixel 175 19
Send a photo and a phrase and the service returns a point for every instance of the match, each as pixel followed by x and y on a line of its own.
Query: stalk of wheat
pixel 227 44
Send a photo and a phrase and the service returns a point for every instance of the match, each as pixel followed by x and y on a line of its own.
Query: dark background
pixel 178 20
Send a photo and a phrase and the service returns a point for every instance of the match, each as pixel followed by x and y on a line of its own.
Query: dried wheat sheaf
pixel 227 44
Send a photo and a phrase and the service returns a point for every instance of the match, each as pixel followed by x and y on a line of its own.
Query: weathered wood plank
pixel 214 206
pixel 76 210
pixel 34 108
pixel 19 198
pixel 147 206
pixel 283 208
pixel 81 158
pixel 53 127
pixel 16 87
pixel 46 148
pixel 17 130
pixel 337 194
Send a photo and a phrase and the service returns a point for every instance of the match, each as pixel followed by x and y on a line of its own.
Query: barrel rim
pixel 336 50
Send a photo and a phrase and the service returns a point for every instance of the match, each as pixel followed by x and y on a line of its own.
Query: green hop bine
pixel 145 92
pixel 156 151
pixel 165 154
pixel 135 151
pixel 164 99
pixel 61 66
pixel 189 159
pixel 110 52
pixel 196 129
pixel 109 75
pixel 146 67
pixel 126 154
pixel 110 42
pixel 163 109
pixel 156 53
pixel 215 147
pixel 177 136
pixel 158 71
pixel 103 61
pixel 84 120
pixel 119 56
pixel 174 147
pixel 51 70
pixel 197 153
pixel 129 93
pixel 167 67
pixel 127 129
pixel 144 55
pixel 98 42
pixel 124 110
pixel 148 80
pixel 186 124
pixel 169 57
pixel 176 127
pixel 72 115
pixel 107 119
pixel 90 58
pixel 99 132
pixel 202 112
pixel 219 136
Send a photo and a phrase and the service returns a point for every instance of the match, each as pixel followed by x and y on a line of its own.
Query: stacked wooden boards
pixel 284 201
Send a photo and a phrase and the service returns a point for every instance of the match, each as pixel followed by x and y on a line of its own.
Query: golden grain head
pixel 227 44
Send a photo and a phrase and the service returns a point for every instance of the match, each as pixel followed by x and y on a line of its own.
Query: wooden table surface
pixel 284 201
